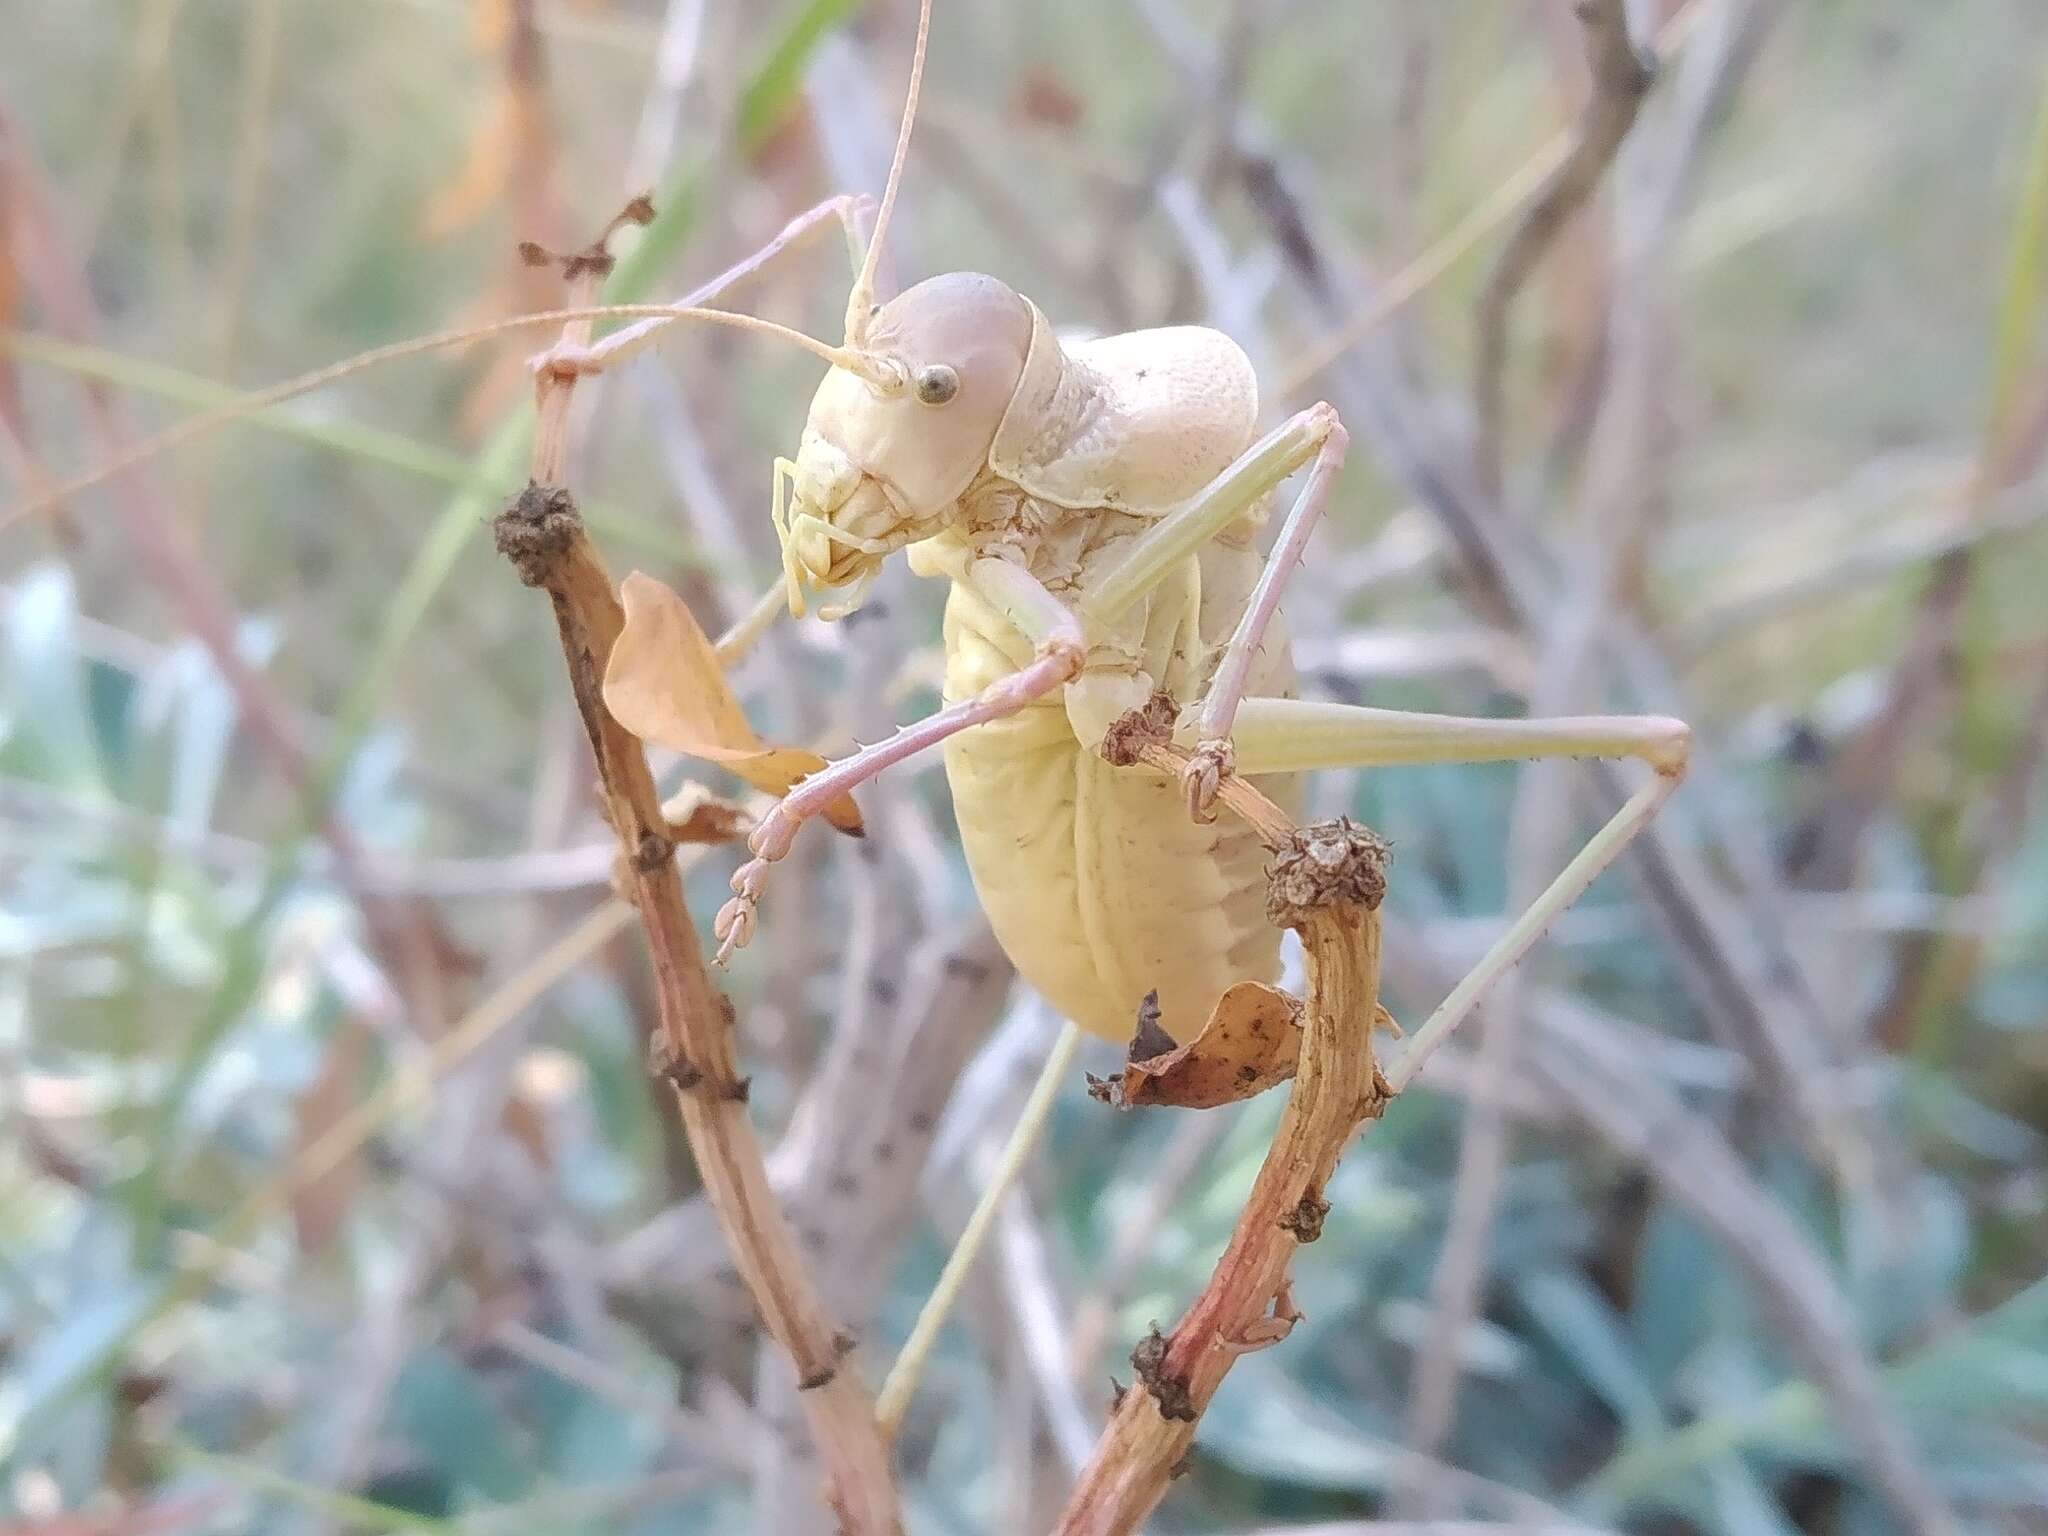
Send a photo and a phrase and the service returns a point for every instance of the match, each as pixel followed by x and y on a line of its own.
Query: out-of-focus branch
pixel 1166 1181
pixel 154 531
pixel 1565 679
pixel 1730 946
pixel 859 1146
pixel 1621 77
pixel 543 536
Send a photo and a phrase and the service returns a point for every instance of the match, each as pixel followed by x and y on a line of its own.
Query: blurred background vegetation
pixel 333 1195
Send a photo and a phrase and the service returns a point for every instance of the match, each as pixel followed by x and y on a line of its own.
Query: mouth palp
pixel 802 533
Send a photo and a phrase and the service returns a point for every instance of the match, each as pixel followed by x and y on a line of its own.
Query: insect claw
pixel 1206 769
pixel 733 926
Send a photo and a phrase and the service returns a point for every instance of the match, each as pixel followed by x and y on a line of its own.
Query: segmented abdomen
pixel 1100 886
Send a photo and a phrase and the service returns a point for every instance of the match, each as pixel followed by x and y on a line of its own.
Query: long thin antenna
pixel 248 405
pixel 862 298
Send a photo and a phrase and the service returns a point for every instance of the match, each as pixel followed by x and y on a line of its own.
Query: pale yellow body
pixel 1099 884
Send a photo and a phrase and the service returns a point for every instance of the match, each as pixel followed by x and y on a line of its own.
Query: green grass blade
pixel 343 1509
pixel 352 440
pixel 2026 267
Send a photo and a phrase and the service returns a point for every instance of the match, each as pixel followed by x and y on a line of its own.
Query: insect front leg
pixel 1058 655
pixel 1311 436
pixel 1296 735
pixel 628 340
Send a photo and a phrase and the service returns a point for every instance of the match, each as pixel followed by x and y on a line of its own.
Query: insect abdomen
pixel 1098 884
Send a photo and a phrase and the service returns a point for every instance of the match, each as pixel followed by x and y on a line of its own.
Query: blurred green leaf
pixel 440 1409
pixel 1993 1367
pixel 1582 1325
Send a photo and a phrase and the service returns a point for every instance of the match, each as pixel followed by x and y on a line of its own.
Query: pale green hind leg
pixel 1295 735
pixel 1312 436
pixel 1155 553
pixel 1286 735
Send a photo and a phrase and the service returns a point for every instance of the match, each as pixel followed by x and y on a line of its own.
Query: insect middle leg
pixel 1293 735
pixel 1314 435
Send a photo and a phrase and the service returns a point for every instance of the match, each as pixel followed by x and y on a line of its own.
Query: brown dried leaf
pixel 1250 1043
pixel 663 683
pixel 696 815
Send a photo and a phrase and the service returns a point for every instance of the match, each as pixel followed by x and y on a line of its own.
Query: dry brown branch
pixel 1730 945
pixel 1621 77
pixel 542 534
pixel 1326 882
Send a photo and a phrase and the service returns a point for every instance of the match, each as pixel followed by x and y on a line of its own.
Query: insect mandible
pixel 1096 507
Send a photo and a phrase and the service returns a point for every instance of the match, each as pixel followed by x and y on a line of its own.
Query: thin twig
pixel 1155 1202
pixel 544 537
pixel 903 1376
pixel 1620 79
pixel 259 79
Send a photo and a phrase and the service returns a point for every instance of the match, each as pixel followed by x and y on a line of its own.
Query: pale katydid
pixel 1095 506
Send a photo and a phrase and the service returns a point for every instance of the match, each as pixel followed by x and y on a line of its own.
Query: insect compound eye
pixel 935 384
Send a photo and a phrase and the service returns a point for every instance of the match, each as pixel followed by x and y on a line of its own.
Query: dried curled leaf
pixel 664 684
pixel 695 815
pixel 1251 1042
